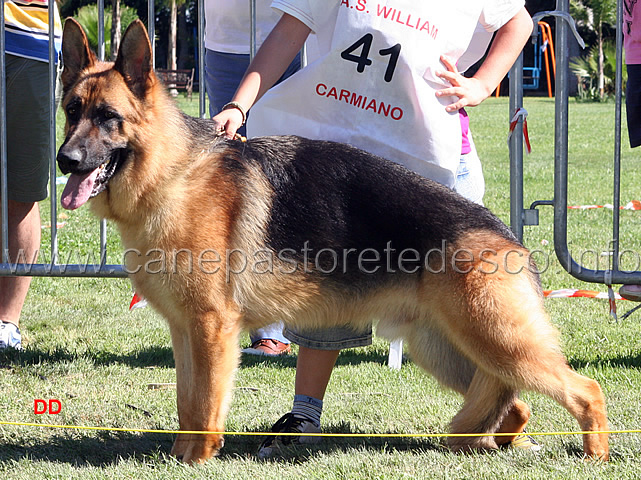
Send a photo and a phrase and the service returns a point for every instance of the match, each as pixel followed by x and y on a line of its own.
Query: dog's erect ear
pixel 134 60
pixel 76 54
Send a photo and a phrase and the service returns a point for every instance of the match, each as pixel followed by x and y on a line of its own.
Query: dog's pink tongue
pixel 78 190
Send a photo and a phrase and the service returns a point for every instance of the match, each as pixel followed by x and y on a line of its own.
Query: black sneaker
pixel 288 423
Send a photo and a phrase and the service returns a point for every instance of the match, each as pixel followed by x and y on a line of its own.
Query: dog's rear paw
pixel 471 444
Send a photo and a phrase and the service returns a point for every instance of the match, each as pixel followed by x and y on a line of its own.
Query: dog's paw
pixel 197 448
pixel 471 444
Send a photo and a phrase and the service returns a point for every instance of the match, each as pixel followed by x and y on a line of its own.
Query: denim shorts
pixel 223 72
pixel 633 104
pixel 469 183
pixel 27 83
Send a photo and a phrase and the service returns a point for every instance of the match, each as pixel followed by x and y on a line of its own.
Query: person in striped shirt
pixel 27 131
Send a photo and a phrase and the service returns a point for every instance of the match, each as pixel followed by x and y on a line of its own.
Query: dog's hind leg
pixel 505 331
pixel 487 402
pixel 432 351
pixel 583 398
pixel 514 422
pixel 206 354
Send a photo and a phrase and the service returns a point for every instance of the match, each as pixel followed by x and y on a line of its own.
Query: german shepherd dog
pixel 313 233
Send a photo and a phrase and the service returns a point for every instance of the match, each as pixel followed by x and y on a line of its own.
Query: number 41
pixel 362 60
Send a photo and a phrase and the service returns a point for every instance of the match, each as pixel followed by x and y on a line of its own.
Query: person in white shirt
pixel 385 81
pixel 227 55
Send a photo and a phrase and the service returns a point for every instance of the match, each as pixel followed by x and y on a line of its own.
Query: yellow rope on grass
pixel 356 435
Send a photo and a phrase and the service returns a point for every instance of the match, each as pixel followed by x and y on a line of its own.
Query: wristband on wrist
pixel 238 107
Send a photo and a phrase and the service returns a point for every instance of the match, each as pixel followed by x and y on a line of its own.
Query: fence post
pixel 4 207
pixel 516 149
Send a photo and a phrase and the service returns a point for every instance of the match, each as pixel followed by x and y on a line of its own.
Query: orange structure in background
pixel 544 47
pixel 548 46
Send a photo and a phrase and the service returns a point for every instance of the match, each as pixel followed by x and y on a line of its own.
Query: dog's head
pixel 100 99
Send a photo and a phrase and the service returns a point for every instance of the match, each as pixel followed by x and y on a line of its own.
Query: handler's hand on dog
pixel 470 91
pixel 227 122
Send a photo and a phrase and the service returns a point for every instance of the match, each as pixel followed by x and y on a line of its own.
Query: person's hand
pixel 470 91
pixel 227 122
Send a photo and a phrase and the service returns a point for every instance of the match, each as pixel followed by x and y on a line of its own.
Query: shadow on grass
pixel 331 445
pixel 625 361
pixel 76 449
pixel 161 356
pixel 150 356
pixel 106 448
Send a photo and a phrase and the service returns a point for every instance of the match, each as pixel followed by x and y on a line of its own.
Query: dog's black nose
pixel 70 158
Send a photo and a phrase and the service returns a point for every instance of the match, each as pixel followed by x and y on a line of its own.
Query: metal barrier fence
pixel 519 216
pixel 52 269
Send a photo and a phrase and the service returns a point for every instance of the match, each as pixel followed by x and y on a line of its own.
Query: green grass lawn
pixel 84 348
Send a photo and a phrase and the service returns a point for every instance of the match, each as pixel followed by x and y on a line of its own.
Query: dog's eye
pixel 108 114
pixel 73 108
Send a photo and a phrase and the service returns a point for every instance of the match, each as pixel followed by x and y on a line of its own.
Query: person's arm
pixel 505 49
pixel 272 59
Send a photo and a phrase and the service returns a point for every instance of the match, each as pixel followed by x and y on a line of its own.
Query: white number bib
pixel 375 86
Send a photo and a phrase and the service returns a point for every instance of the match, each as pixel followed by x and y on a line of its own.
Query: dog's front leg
pixel 206 354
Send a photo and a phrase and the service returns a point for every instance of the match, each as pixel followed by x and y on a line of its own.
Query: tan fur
pixel 483 332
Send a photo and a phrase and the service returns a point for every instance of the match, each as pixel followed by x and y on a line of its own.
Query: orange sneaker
pixel 268 347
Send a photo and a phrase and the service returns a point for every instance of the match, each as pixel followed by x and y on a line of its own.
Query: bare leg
pixel 313 371
pixel 24 242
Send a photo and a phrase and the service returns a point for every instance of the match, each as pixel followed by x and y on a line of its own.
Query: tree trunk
pixel 600 64
pixel 115 28
pixel 183 34
pixel 173 23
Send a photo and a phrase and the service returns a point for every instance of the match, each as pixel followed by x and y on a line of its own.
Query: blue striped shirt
pixel 27 29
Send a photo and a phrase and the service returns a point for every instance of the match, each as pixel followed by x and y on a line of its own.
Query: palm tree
pixel 594 14
pixel 87 16
pixel 115 28
pixel 587 70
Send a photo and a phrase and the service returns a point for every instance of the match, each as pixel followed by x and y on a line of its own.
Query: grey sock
pixel 308 407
